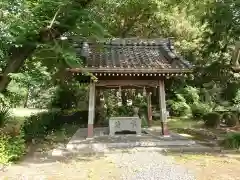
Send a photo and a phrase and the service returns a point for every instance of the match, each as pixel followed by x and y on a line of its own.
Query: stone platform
pixel 101 142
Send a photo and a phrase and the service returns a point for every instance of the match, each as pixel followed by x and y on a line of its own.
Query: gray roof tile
pixel 130 54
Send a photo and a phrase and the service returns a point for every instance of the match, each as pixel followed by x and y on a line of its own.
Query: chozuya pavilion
pixel 129 63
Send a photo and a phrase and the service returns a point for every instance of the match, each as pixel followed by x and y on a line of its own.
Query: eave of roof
pixel 130 56
pixel 128 70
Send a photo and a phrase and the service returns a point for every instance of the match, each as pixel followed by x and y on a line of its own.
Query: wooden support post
pixel 162 108
pixel 149 106
pixel 97 107
pixel 91 109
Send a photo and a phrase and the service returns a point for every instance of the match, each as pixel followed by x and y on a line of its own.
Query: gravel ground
pixel 122 164
pixel 149 165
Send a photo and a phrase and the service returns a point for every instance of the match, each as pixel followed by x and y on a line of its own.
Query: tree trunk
pixel 27 97
pixel 15 62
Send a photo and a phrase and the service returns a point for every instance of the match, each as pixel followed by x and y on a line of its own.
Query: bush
pixel 212 119
pixel 232 141
pixel 38 126
pixel 69 95
pixel 11 147
pixel 230 119
pixel 121 111
pixel 64 98
pixel 144 122
pixel 4 115
pixel 199 109
pixel 179 108
pixel 74 117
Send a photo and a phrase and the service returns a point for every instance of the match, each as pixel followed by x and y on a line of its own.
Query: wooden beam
pixel 162 107
pixel 152 83
pixel 91 109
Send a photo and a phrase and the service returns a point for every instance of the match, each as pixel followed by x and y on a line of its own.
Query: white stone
pixel 124 124
pixel 57 152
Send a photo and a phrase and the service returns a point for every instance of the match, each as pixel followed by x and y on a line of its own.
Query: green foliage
pixel 212 119
pixel 122 111
pixel 11 147
pixel 230 119
pixel 232 141
pixel 180 109
pixel 203 31
pixel 4 115
pixel 178 106
pixel 74 116
pixel 236 99
pixel 39 125
pixel 31 87
pixel 190 94
pixel 69 95
pixel 144 122
pixel 4 101
pixel 199 109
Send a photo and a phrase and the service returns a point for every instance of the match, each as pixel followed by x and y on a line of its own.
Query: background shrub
pixel 11 147
pixel 232 141
pixel 212 119
pixel 37 126
pixel 4 115
pixel 230 119
pixel 199 109
pixel 69 95
pixel 123 111
pixel 144 122
pixel 180 109
pixel 75 116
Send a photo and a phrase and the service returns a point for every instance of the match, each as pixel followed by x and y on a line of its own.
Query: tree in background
pixel 204 33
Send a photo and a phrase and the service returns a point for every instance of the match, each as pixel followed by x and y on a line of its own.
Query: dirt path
pixel 77 168
pixel 211 167
pixel 125 164
pixel 120 165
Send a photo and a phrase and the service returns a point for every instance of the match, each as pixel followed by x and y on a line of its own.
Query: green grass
pixel 175 123
pixel 180 123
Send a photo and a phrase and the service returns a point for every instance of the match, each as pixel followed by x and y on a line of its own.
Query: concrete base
pixel 165 131
pixel 170 147
pixel 105 143
pixel 90 131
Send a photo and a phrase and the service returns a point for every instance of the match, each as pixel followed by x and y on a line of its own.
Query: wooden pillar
pixel 162 108
pixel 97 107
pixel 149 107
pixel 91 109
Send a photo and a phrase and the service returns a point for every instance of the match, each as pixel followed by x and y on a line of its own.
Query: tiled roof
pixel 131 55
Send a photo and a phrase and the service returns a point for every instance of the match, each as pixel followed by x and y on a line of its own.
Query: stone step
pixel 104 146
pixel 109 148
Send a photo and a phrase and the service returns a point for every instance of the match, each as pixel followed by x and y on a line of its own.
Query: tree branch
pixel 18 55
pixel 54 18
